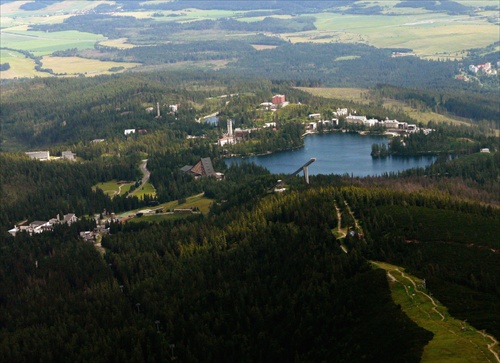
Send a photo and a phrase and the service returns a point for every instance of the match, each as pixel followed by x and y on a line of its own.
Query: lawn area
pixel 112 187
pixel 199 201
pixel 454 340
pixel 157 218
pixel 148 188
pixel 77 65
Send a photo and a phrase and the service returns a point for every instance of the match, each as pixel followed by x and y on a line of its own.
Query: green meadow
pixel 77 65
pixel 454 340
pixel 147 188
pixel 431 35
pixel 20 66
pixel 41 43
pixel 113 188
pixel 196 201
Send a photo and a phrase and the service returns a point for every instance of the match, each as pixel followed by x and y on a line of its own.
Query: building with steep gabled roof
pixel 202 168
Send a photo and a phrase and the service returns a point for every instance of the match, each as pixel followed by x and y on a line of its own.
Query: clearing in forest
pixel 454 340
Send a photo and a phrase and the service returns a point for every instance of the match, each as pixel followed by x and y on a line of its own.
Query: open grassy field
pixel 432 35
pixel 423 116
pixel 40 43
pixel 77 65
pixel 112 187
pixel 148 188
pixel 20 66
pixel 117 43
pixel 13 9
pixel 359 95
pixel 198 200
pixel 454 340
pixel 263 47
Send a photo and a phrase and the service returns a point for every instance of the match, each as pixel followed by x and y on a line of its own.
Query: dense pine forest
pixel 262 276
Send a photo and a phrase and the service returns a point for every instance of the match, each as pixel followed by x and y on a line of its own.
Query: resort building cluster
pixel 485 68
pixel 36 227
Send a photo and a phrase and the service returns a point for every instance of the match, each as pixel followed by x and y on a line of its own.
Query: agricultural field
pixel 40 43
pixel 20 66
pixel 77 65
pixel 430 35
pixel 454 340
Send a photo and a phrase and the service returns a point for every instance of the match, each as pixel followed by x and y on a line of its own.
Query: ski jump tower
pixel 305 169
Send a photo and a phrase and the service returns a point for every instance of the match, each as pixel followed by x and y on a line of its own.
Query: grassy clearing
pixel 77 65
pixel 117 43
pixel 454 340
pixel 199 201
pixel 359 95
pixel 112 187
pixel 201 65
pixel 147 188
pixel 422 116
pixel 347 57
pixel 157 218
pixel 263 47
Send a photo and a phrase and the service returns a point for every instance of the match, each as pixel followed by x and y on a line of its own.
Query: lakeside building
pixel 278 99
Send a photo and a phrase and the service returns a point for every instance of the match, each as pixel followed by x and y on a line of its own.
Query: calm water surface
pixel 336 153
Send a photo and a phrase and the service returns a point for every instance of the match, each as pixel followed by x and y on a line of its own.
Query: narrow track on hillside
pixel 423 293
pixel 458 328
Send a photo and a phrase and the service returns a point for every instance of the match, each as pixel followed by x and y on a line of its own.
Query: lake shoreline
pixel 335 153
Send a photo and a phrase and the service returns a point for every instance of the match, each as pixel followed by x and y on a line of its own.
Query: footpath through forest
pixel 454 340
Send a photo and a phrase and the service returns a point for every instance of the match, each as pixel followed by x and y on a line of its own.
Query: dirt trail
pixel 423 293
pixel 490 346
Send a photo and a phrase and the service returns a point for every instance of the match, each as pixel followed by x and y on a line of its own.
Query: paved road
pixel 145 172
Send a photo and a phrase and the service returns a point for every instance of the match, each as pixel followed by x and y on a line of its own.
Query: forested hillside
pixel 272 278
pixel 262 274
